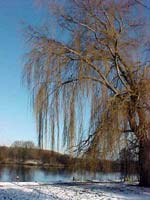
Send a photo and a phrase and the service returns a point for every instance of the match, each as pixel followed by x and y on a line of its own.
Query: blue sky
pixel 16 116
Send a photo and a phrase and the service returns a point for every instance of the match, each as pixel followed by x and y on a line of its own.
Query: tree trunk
pixel 143 131
pixel 144 159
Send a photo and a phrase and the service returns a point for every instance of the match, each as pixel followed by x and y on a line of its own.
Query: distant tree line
pixel 34 156
pixel 27 153
pixel 23 152
pixel 25 144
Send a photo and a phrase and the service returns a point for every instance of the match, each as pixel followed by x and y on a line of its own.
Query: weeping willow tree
pixel 92 74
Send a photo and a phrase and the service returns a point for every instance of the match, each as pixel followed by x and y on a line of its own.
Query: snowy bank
pixel 72 191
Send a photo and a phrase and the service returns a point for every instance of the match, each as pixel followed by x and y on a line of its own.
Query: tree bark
pixel 144 159
pixel 143 131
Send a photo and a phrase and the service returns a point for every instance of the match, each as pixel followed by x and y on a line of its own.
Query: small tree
pixel 101 62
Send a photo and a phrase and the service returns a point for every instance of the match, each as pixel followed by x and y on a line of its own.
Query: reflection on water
pixel 9 173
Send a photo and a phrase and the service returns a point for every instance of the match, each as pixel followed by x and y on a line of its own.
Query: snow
pixel 72 191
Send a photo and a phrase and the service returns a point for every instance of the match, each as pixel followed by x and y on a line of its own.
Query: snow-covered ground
pixel 72 191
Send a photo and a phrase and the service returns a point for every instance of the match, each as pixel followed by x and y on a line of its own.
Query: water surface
pixel 9 173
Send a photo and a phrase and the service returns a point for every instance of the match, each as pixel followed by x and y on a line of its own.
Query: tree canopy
pixel 94 69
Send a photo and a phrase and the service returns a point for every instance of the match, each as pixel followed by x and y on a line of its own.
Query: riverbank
pixel 72 191
pixel 32 163
pixel 50 159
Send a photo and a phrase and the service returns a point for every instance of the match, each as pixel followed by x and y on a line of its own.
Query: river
pixel 9 173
